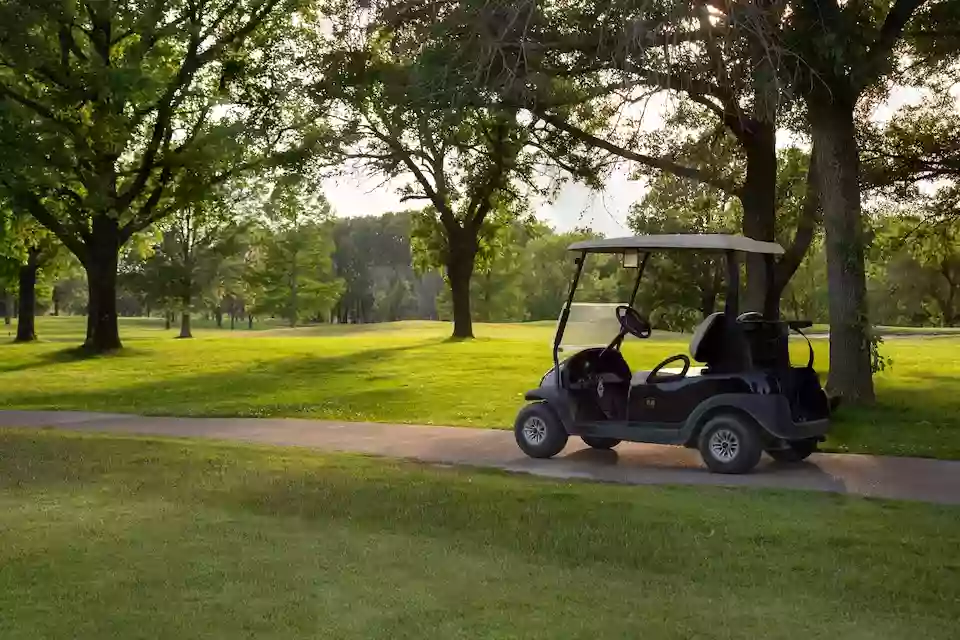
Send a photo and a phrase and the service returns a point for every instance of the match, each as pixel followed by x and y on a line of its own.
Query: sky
pixel 575 205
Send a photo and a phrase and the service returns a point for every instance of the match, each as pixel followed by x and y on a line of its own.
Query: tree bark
pixel 26 323
pixel 185 318
pixel 250 322
pixel 759 199
pixel 56 301
pixel 838 170
pixel 460 265
pixel 218 314
pixel 167 319
pixel 103 332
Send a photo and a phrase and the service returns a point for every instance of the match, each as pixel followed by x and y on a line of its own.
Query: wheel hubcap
pixel 724 445
pixel 535 430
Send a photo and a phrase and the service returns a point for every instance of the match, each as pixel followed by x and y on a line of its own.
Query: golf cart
pixel 735 396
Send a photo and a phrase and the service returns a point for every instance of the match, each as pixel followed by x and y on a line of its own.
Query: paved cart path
pixel 878 476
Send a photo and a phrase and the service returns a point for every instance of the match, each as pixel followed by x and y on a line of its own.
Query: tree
pixel 119 113
pixel 373 258
pixel 296 276
pixel 920 264
pixel 840 53
pixel 26 247
pixel 497 292
pixel 468 163
pixel 588 68
pixel 197 253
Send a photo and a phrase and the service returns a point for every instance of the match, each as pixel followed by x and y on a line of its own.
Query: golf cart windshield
pixel 591 324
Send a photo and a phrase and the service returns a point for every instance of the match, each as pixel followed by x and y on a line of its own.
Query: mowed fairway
pixel 411 372
pixel 129 538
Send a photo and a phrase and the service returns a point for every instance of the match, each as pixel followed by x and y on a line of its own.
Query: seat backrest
pixel 706 345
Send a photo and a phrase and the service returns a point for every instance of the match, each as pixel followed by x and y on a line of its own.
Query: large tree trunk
pixel 185 318
pixel 459 273
pixel 838 170
pixel 103 332
pixel 759 199
pixel 250 322
pixel 26 323
pixel 185 325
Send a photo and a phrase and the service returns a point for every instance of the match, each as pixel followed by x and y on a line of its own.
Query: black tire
pixel 730 443
pixel 599 442
pixel 539 419
pixel 796 451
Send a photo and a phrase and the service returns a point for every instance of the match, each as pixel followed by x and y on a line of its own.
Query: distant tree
pixel 26 247
pixel 373 258
pixel 296 272
pixel 68 287
pixel 919 268
pixel 198 252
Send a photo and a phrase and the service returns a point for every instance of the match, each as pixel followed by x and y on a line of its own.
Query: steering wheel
pixel 632 322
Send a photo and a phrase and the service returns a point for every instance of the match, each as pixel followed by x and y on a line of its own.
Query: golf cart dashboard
pixel 583 369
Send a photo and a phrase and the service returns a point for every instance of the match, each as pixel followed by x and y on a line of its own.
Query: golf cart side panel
pixel 770 411
pixel 674 402
pixel 652 433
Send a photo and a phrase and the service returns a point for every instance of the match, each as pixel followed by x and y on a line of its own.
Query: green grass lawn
pixel 105 537
pixel 410 372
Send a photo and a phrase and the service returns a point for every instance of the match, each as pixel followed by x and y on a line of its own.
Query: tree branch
pixel 891 30
pixel 662 164
pixel 807 224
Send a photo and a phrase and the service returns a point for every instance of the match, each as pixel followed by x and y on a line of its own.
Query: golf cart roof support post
pixel 732 303
pixel 636 285
pixel 565 315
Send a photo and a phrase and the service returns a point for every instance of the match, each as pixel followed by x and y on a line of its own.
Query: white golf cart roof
pixel 669 241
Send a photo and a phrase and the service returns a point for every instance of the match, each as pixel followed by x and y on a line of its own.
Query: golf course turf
pixel 138 538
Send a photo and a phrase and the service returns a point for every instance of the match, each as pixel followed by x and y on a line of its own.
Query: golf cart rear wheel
pixel 539 432
pixel 730 443
pixel 795 451
pixel 599 442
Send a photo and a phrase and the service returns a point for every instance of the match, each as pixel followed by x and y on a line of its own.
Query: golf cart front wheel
pixel 729 443
pixel 539 432
pixel 599 442
pixel 795 451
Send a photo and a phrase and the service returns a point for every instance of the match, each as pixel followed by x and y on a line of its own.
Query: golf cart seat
pixel 712 343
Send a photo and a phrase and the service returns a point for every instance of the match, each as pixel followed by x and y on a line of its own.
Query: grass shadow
pixel 67 356
pixel 275 388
